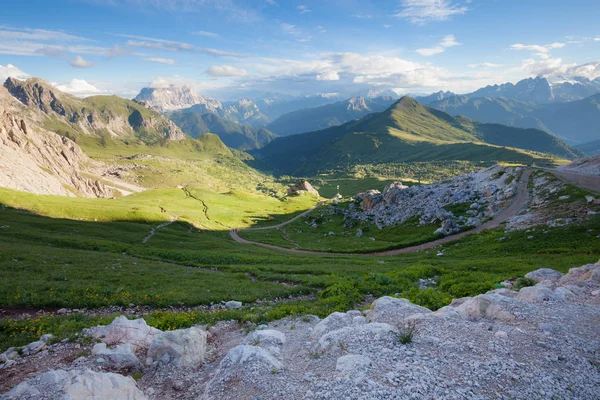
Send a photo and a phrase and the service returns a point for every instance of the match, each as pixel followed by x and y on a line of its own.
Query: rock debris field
pixel 542 342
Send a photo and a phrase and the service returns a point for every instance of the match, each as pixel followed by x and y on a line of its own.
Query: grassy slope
pixel 232 134
pixel 407 132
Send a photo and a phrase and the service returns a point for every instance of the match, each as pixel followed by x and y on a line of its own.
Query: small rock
pixel 232 305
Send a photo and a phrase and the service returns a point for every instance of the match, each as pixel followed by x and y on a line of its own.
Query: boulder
pixel 544 274
pixel 121 357
pixel 490 306
pixel 182 347
pixel 122 330
pixel 392 310
pixel 539 293
pixel 370 199
pixel 589 272
pixel 334 321
pixel 76 384
pixel 353 365
pixel 301 188
pixel 233 305
pixel 244 354
pixel 34 348
pixel 267 337
pixel 354 337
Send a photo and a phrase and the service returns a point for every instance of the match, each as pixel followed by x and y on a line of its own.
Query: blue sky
pixel 238 48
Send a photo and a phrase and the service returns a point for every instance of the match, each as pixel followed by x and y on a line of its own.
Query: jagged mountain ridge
pixel 577 121
pixel 98 116
pixel 35 160
pixel 407 131
pixel 312 119
pixel 538 90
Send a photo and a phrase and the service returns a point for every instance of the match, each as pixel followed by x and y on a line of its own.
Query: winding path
pixel 584 181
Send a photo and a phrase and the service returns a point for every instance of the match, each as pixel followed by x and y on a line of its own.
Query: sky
pixel 231 49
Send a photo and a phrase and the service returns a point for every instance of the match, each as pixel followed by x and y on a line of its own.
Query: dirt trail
pixel 517 203
pixel 585 181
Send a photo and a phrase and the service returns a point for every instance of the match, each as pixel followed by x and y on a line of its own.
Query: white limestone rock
pixel 182 347
pixel 122 330
pixel 392 310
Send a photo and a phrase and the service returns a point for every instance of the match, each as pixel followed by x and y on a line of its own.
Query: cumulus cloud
pixel 160 60
pixel 328 76
pixel 422 11
pixel 447 41
pixel 10 71
pixel 220 71
pixel 597 39
pixel 78 87
pixel 554 67
pixel 80 62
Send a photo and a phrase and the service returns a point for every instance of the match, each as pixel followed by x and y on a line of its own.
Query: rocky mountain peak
pixel 174 98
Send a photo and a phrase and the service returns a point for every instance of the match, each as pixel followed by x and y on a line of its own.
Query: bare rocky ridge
pixel 587 166
pixel 94 115
pixel 537 343
pixel 485 192
pixel 37 161
pixel 175 98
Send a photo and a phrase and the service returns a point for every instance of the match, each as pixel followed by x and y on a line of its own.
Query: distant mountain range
pixel 405 132
pixel 576 121
pixel 234 135
pixel 312 119
pixel 532 90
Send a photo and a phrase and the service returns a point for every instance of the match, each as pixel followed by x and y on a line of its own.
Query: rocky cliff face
pixel 175 98
pixel 96 115
pixel 40 162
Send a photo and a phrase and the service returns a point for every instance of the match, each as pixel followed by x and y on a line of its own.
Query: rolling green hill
pixel 312 119
pixel 234 135
pixel 407 132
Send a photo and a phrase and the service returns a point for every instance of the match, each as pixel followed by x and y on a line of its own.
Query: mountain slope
pixel 174 98
pixel 407 131
pixel 108 117
pixel 38 161
pixel 312 119
pixel 577 121
pixel 234 135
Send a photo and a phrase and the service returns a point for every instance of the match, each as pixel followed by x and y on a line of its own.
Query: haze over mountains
pixel 567 108
pixel 408 131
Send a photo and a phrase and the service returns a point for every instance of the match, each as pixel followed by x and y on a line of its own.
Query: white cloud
pixel 362 16
pixel 486 65
pixel 205 33
pixel 328 76
pixel 79 87
pixel 10 71
pixel 220 71
pixel 303 9
pixel 37 34
pixel 553 67
pixel 168 61
pixel 597 39
pixel 430 51
pixel 422 11
pixel 321 29
pixel 537 48
pixel 170 45
pixel 80 62
pixel 447 41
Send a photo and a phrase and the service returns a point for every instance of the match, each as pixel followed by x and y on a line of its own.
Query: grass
pixel 300 234
pixel 63 252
